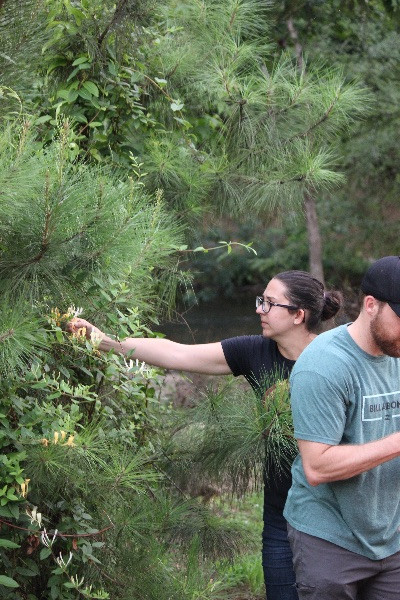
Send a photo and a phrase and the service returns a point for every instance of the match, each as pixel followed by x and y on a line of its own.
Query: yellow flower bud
pixel 24 488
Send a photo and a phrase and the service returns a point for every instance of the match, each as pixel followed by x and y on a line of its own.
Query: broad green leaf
pixel 183 122
pixel 74 72
pixel 80 117
pixel 78 14
pixel 137 76
pixel 96 154
pixel 85 94
pixel 8 582
pixel 25 572
pixel 11 495
pixel 10 511
pixel 80 60
pixel 8 544
pixel 43 119
pixel 63 94
pixel 106 296
pixel 91 87
pixel 59 61
pixel 44 553
pixel 112 68
pixel 69 95
pixel 175 106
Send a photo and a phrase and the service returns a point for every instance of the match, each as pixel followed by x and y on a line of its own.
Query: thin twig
pixel 58 533
pixel 6 335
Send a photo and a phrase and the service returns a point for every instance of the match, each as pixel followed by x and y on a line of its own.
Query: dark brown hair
pixel 308 293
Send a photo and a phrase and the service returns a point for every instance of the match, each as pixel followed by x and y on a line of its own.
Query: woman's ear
pixel 300 316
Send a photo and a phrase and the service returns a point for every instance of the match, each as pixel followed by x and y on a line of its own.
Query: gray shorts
pixel 325 571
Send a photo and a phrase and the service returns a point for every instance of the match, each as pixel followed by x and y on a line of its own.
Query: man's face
pixel 385 331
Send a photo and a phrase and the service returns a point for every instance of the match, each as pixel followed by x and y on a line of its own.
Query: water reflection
pixel 213 321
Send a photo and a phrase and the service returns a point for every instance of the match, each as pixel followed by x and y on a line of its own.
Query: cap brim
pixel 396 307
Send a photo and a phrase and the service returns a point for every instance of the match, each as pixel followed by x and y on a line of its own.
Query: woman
pixel 291 310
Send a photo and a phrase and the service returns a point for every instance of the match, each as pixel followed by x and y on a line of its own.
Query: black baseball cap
pixel 382 281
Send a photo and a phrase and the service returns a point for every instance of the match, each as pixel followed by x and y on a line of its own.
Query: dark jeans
pixel 277 558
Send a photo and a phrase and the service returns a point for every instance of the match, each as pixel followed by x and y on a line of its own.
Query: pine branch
pixel 233 17
pixel 321 120
pixel 119 9
pixel 256 180
pixel 46 228
pixel 6 335
pixel 58 533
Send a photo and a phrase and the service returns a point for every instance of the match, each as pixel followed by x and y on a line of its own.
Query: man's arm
pixel 323 463
pixel 197 358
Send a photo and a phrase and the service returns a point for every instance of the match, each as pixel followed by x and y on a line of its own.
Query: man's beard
pixel 390 347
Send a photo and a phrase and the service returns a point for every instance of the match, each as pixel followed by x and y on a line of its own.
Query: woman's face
pixel 278 320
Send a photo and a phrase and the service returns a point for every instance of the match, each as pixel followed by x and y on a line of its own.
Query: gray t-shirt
pixel 342 395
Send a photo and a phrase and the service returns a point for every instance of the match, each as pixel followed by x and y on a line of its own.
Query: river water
pixel 213 321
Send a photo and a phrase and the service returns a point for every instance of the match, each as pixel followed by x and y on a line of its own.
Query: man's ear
pixel 371 305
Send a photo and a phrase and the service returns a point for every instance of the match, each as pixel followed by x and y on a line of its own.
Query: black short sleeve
pixel 256 358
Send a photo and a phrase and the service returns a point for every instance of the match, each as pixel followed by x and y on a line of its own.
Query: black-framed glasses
pixel 266 305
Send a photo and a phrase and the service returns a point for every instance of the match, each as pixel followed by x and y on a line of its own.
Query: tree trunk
pixel 314 237
pixel 298 47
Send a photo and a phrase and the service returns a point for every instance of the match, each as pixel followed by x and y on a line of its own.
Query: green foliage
pixel 362 39
pixel 83 500
pixel 82 492
pixel 246 571
pixel 276 121
pixel 91 78
pixel 234 437
pixel 227 118
pixel 59 220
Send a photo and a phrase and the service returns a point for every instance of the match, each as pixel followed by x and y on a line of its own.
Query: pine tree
pixel 280 119
pixel 83 504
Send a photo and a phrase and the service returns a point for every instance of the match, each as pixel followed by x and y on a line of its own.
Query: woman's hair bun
pixel 333 302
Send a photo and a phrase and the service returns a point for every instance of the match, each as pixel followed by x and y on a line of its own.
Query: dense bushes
pixel 82 508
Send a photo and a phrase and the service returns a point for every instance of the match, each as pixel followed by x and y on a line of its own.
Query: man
pixel 343 509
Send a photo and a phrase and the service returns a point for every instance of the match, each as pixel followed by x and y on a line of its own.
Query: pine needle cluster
pixel 279 125
pixel 233 437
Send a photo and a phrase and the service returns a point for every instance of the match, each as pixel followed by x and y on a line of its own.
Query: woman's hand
pixel 77 325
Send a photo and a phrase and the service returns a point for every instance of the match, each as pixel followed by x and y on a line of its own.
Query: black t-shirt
pixel 257 358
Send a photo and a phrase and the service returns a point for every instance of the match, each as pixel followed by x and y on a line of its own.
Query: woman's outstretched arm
pixel 197 358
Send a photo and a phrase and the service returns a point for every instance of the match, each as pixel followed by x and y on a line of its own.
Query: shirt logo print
pixel 378 407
